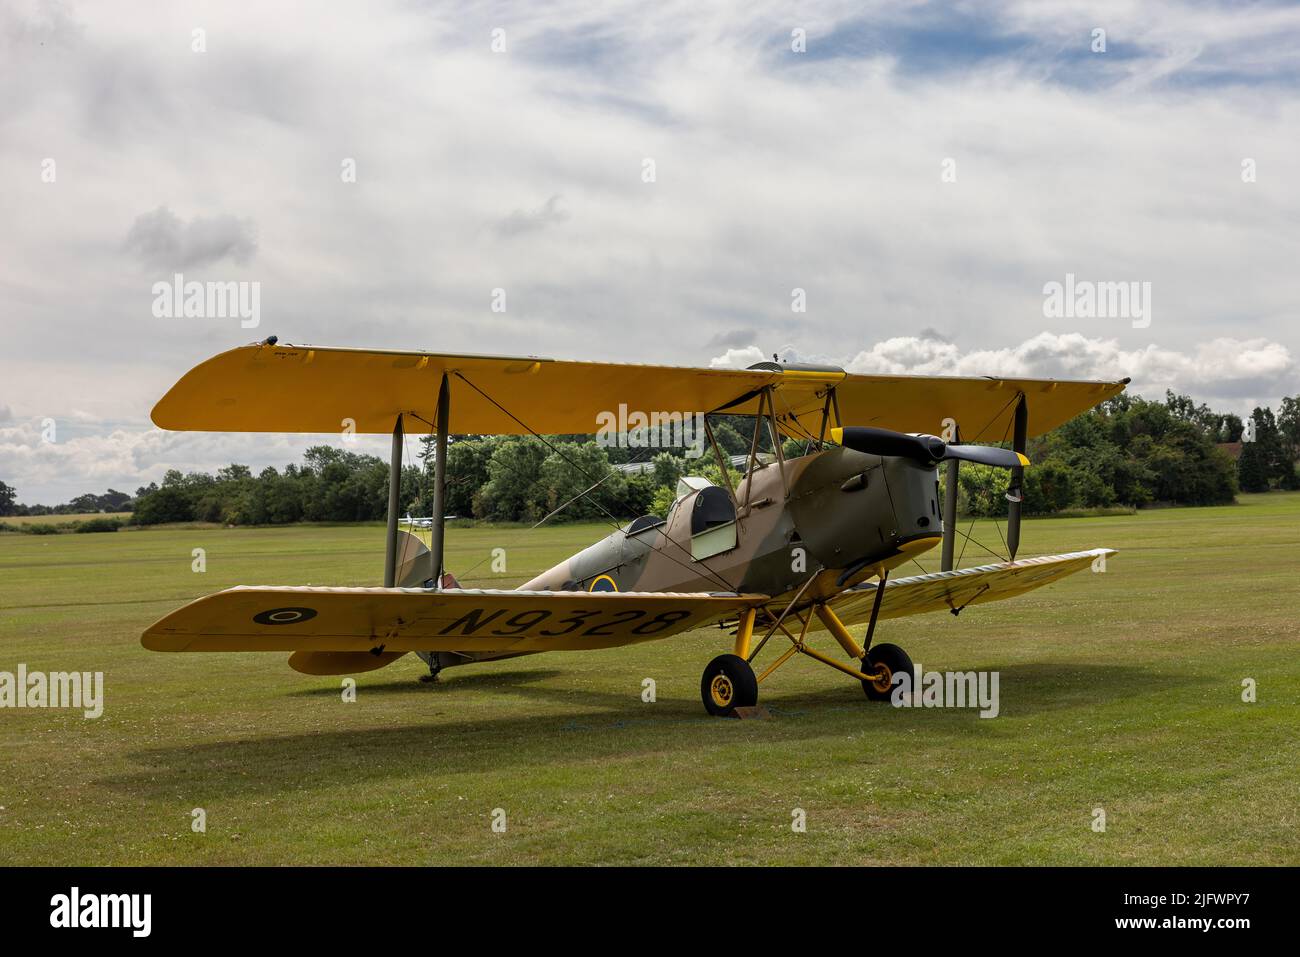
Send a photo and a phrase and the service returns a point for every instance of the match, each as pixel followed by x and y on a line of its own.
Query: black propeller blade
pixel 926 449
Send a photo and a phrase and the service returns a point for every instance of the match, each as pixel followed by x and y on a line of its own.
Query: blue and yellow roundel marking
pixel 602 583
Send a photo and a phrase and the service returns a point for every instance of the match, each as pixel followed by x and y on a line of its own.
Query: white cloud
pixel 92 456
pixel 1221 368
pixel 738 358
pixel 1230 373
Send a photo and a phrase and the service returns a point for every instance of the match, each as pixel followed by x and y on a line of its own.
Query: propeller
pixel 926 449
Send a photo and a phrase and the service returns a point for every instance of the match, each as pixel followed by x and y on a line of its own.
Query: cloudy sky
pixel 920 171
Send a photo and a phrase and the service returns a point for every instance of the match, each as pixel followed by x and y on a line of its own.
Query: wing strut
pixel 875 610
pixel 440 482
pixel 950 509
pixel 394 496
pixel 1017 493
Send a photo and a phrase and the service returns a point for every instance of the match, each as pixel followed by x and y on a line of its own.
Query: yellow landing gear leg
pixel 799 645
pixel 729 682
pixel 837 629
pixel 744 632
pixel 879 662
pixel 876 667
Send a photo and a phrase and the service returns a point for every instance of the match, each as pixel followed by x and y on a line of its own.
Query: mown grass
pixel 1120 691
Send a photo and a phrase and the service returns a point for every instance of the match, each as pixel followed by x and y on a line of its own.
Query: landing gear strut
pixel 729 682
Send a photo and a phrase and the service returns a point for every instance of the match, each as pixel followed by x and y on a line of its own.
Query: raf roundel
pixel 284 616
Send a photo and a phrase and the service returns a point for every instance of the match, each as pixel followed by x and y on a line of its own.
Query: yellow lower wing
pixel 385 621
pixel 942 591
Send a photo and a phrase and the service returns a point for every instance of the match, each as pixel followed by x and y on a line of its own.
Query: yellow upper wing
pixel 389 620
pixel 941 591
pixel 281 388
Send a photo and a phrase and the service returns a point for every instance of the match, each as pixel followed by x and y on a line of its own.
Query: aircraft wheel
pixel 728 683
pixel 887 660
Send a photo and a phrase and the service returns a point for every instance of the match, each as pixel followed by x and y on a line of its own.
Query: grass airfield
pixel 1120 691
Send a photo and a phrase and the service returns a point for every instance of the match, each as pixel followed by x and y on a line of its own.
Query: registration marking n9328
pixel 598 624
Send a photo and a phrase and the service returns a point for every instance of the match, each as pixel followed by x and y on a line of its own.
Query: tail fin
pixel 414 567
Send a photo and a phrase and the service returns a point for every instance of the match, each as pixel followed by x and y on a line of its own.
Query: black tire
pixel 728 683
pixel 892 658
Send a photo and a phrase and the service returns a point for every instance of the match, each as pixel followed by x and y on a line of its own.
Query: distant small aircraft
pixel 797 545
pixel 423 523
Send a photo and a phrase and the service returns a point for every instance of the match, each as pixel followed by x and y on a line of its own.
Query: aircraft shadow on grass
pixel 502 682
pixel 600 726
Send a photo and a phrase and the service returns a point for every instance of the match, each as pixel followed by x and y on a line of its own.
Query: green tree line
pixel 110 501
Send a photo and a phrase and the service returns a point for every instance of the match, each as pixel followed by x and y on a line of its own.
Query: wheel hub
pixel 721 691
pixel 883 679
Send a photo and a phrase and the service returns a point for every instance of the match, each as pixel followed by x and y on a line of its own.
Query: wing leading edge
pixel 385 621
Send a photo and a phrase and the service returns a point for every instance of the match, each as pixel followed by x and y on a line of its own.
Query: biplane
pixel 798 545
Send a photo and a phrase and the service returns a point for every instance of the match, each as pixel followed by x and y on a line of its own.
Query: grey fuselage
pixel 837 515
